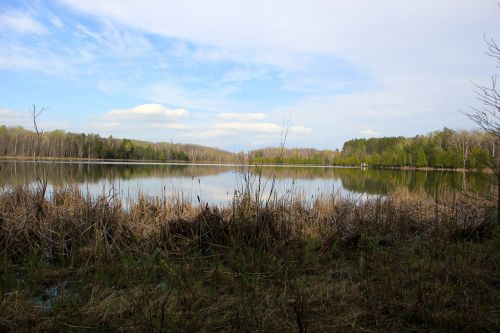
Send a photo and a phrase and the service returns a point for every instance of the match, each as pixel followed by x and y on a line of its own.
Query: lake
pixel 216 184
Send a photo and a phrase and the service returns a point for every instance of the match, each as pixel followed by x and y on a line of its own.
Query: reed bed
pixel 405 262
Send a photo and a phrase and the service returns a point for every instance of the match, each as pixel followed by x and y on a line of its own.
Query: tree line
pixel 293 156
pixel 19 142
pixel 445 148
pixel 440 149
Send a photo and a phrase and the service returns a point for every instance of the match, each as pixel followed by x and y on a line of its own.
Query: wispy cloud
pixel 174 126
pixel 262 128
pixel 370 132
pixel 118 43
pixel 249 127
pixel 56 22
pixel 261 133
pixel 11 114
pixel 16 56
pixel 242 116
pixel 20 22
pixel 110 86
pixel 206 134
pixel 11 117
pixel 79 50
pixel 205 95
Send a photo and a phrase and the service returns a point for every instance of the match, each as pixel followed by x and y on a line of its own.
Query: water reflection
pixel 216 183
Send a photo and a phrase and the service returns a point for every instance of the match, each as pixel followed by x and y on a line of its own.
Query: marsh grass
pixel 405 262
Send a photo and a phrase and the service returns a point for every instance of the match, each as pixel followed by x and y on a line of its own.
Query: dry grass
pixel 401 263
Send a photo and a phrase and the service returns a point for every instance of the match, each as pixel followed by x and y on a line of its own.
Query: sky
pixel 239 74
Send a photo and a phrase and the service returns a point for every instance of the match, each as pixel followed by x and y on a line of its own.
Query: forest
pixel 440 149
pixel 19 142
pixel 444 148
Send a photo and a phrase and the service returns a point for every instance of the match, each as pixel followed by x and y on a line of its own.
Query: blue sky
pixel 233 73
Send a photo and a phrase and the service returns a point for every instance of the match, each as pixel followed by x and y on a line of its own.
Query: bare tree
pixel 41 179
pixel 487 117
pixel 38 135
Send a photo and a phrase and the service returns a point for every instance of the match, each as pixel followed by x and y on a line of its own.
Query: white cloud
pixel 250 127
pixel 143 118
pixel 206 54
pixel 207 134
pixel 169 126
pixel 11 117
pixel 168 92
pixel 370 132
pixel 315 26
pixel 20 22
pixel 300 129
pixel 397 106
pixel 146 112
pixel 262 128
pixel 242 116
pixel 206 96
pixel 56 22
pixel 11 114
pixel 242 75
pixel 232 134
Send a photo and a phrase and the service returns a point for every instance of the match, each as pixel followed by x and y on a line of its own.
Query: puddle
pixel 51 295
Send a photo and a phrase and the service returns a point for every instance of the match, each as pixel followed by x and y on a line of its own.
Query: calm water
pixel 216 184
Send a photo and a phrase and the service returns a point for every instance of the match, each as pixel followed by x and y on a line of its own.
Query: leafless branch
pixel 487 117
pixel 41 180
pixel 284 135
pixel 35 114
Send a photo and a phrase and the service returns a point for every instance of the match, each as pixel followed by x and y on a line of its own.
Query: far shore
pixel 219 163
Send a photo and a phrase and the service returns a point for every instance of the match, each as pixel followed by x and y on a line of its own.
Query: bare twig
pixel 41 179
pixel 487 117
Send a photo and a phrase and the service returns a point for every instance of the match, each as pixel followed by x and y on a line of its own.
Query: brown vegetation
pixel 401 263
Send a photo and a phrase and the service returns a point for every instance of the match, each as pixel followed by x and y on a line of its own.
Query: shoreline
pixel 228 164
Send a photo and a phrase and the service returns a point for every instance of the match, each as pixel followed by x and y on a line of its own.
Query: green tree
pixel 420 158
